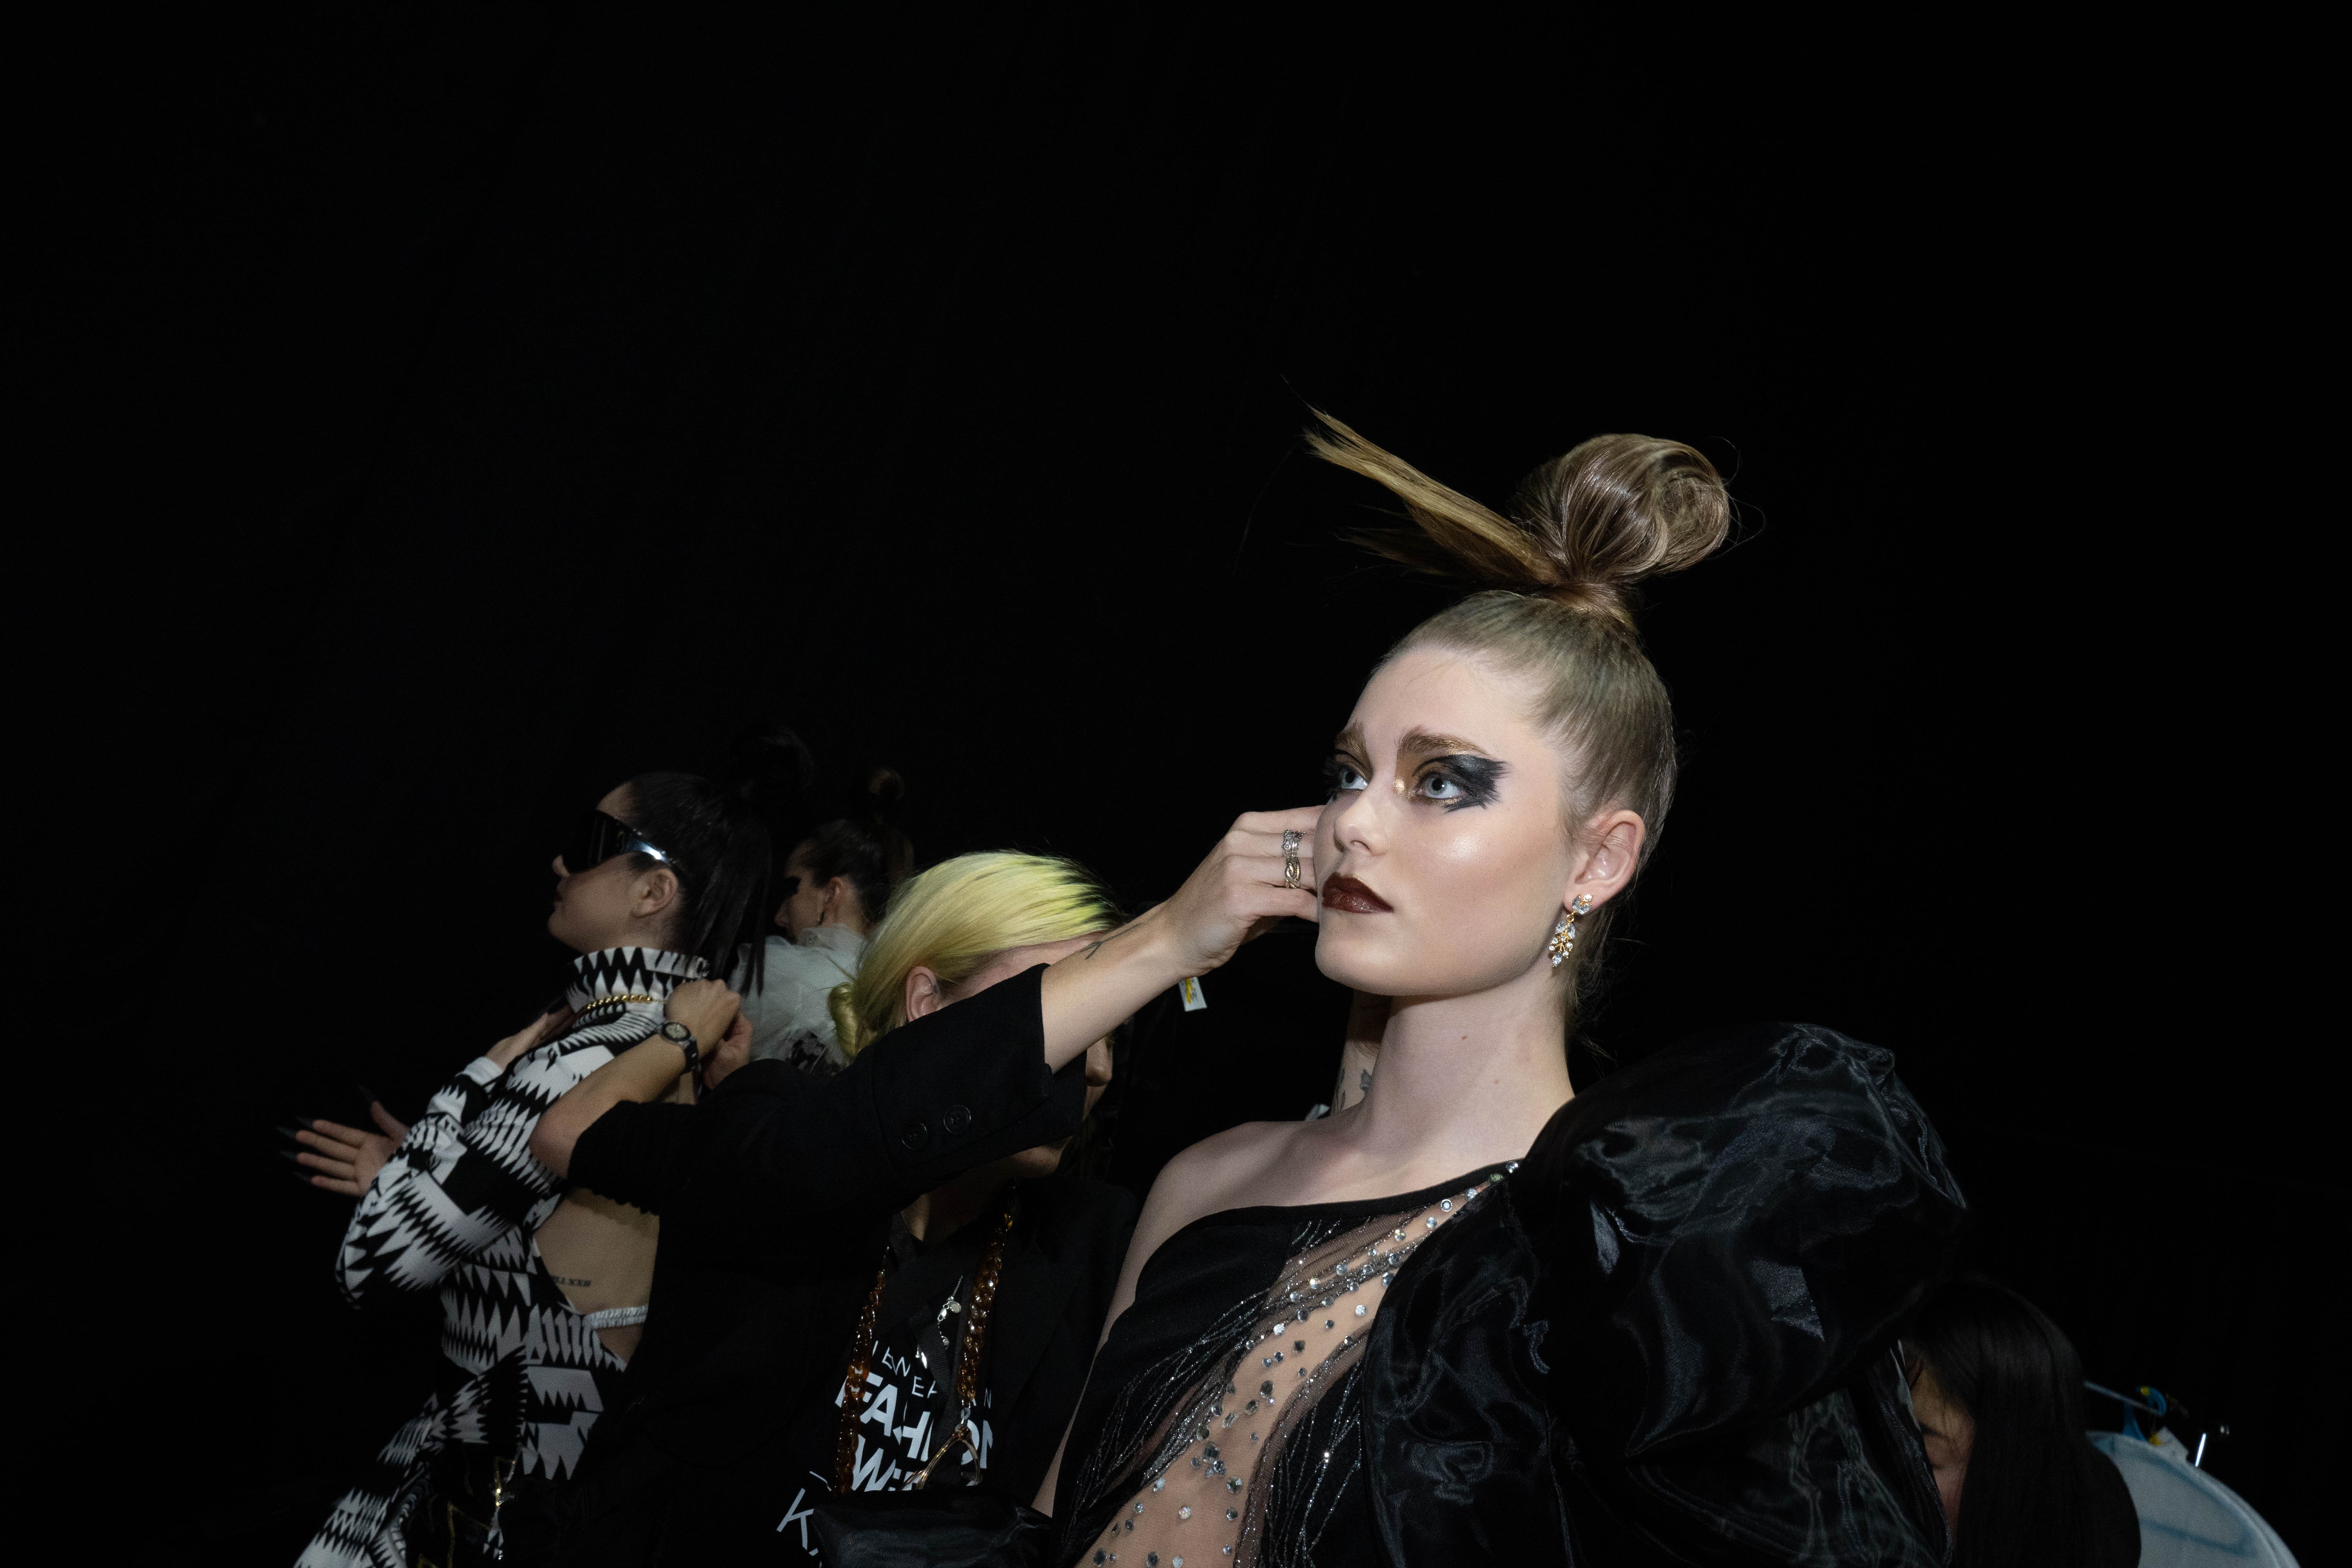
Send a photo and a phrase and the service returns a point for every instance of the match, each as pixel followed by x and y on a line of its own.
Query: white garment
pixel 2187 1519
pixel 789 1019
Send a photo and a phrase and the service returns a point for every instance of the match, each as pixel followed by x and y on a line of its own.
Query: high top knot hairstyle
pixel 1581 531
pixel 1555 604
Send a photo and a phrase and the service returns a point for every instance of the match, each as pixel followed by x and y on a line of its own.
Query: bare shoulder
pixel 1225 1172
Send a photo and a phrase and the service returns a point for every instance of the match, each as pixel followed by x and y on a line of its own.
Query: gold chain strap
pixel 972 1343
pixel 622 997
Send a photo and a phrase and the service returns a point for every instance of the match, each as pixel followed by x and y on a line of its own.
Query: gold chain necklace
pixel 622 997
pixel 855 1391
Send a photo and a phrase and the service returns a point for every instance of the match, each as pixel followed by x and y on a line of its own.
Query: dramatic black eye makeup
pixel 1459 781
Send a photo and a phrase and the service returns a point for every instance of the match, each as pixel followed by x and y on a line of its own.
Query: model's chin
pixel 1378 958
pixel 1356 957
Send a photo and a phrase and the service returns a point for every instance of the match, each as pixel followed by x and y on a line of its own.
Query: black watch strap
pixel 681 1036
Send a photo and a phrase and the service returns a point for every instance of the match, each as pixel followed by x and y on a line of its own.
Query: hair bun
pixel 1617 508
pixel 1583 528
pixel 884 790
pixel 772 765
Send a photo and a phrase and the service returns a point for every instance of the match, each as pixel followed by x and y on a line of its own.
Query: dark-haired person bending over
pixel 1998 1389
pixel 837 884
pixel 1480 1317
pixel 897 1230
pixel 543 1294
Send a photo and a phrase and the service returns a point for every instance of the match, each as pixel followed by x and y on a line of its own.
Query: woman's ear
pixel 657 890
pixel 924 994
pixel 841 901
pixel 1615 850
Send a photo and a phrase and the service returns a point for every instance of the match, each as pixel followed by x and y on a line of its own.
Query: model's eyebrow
pixel 1351 738
pixel 1422 743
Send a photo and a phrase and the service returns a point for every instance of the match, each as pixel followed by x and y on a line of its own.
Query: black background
pixel 500 400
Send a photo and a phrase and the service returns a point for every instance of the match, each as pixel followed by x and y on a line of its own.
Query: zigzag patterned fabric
pixel 455 1208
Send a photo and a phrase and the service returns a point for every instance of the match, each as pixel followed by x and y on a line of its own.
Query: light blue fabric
pixel 2187 1519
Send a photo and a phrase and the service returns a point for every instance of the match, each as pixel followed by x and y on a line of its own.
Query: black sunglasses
pixel 599 836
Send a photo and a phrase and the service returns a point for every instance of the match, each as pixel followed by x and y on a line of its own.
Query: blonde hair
pixel 1556 574
pixel 956 917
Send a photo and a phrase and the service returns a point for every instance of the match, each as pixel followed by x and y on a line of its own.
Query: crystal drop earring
pixel 1564 935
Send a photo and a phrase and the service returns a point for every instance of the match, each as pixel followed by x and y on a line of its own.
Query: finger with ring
pixel 1290 857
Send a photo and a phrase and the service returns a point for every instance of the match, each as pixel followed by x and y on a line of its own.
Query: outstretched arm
pixel 1234 894
pixel 1238 890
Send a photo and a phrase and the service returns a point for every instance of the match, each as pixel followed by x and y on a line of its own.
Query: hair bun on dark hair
pixel 771 765
pixel 884 790
pixel 1582 529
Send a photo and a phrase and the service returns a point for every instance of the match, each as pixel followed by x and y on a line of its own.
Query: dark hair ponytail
pixel 862 848
pixel 717 847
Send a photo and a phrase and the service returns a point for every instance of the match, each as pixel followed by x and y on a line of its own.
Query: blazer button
pixel 957 1121
pixel 914 1135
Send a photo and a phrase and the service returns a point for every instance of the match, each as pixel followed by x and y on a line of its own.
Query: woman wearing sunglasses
pixel 542 1294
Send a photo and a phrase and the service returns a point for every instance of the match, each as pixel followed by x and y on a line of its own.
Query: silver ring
pixel 1290 857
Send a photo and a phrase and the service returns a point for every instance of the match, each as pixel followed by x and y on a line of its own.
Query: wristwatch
pixel 681 1036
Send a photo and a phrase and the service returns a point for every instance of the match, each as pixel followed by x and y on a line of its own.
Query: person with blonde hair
pixel 873 1281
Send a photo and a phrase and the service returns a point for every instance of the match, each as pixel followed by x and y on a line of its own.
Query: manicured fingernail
pixel 290 1130
pixel 290 1154
pixel 368 1095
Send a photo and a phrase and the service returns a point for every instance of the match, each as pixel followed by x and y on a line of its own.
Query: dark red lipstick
pixel 1349 894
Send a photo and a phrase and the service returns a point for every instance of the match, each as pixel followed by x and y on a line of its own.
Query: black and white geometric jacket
pixel 455 1209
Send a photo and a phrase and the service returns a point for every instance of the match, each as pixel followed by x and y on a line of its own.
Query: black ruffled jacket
pixel 1671 1341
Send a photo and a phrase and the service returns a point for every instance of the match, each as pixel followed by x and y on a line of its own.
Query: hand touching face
pixel 1444 857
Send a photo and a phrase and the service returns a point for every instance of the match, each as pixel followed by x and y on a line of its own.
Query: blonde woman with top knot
pixel 1480 1317
pixel 900 1230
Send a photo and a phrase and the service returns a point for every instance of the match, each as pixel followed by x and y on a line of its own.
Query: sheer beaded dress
pixel 1223 1425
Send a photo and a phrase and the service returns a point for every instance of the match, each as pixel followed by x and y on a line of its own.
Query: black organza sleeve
pixel 1724 1231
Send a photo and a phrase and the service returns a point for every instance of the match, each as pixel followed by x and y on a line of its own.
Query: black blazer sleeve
pixel 964 1086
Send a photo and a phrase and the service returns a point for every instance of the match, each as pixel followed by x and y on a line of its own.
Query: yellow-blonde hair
pixel 956 917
